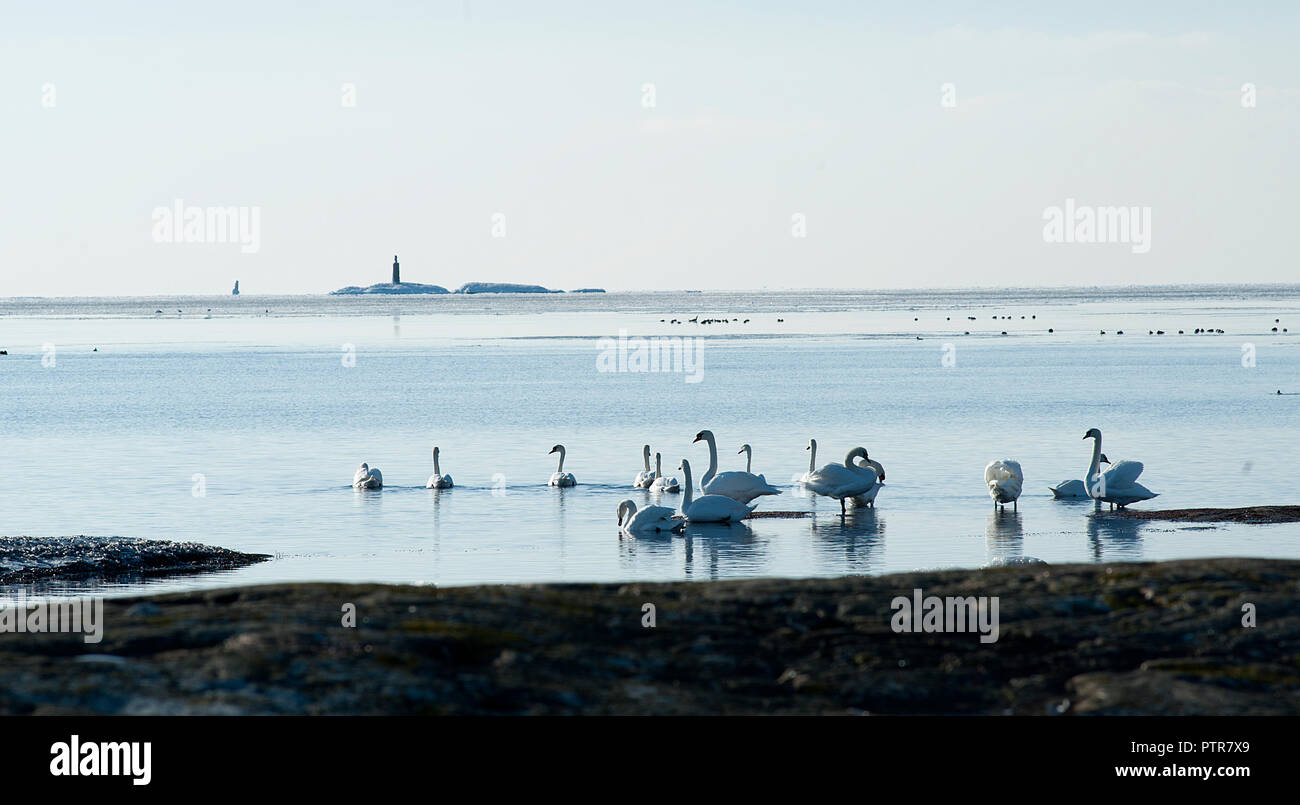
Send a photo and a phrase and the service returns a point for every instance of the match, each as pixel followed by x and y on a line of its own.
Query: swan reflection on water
pixel 854 541
pixel 1004 536
pixel 1114 538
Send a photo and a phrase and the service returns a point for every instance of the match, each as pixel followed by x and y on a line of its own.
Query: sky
pixel 667 145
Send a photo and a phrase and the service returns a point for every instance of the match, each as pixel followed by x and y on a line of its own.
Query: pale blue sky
pixel 533 110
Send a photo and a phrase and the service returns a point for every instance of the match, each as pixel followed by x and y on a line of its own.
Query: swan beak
pixel 696 439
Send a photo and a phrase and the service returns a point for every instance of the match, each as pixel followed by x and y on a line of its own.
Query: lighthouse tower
pixel 397 275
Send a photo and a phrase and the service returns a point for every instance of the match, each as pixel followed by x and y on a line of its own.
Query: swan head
pixel 626 506
pixel 1092 433
pixel 645 450
pixel 1103 459
pixel 364 466
pixel 812 444
pixel 685 466
pixel 743 448
pixel 559 448
pixel 704 435
pixel 435 450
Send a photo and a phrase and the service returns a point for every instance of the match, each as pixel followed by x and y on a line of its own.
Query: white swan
pixel 847 480
pixel 438 480
pixel 812 461
pixel 1117 486
pixel 741 487
pixel 367 478
pixel 644 478
pixel 662 484
pixel 749 455
pixel 710 508
pixel 648 520
pixel 1075 488
pixel 868 498
pixel 1005 481
pixel 560 477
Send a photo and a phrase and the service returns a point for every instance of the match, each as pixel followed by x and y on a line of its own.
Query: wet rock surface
pixel 1248 514
pixel 1161 638
pixel 40 560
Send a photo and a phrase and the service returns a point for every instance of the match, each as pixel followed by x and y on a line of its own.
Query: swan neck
pixel 645 456
pixel 1095 466
pixel 713 461
pixel 561 467
pixel 659 472
pixel 689 493
pixel 812 456
pixel 436 469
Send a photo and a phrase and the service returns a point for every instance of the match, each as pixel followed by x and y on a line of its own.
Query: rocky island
pixel 394 287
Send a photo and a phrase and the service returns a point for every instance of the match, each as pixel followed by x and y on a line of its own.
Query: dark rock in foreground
pixel 1249 514
pixel 39 560
pixel 1162 638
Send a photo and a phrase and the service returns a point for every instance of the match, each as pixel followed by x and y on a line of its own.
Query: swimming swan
pixel 560 477
pixel 710 508
pixel 644 478
pixel 367 478
pixel 847 480
pixel 741 487
pixel 1005 481
pixel 1074 489
pixel 651 519
pixel 662 484
pixel 812 461
pixel 1117 486
pixel 438 480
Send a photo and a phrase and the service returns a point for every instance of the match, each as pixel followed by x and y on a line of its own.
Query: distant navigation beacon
pixel 397 274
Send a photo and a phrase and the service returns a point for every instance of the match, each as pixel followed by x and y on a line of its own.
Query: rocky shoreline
pixel 1156 638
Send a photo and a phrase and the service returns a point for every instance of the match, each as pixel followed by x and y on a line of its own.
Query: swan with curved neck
pixel 741 487
pixel 709 508
pixel 560 477
pixel 367 478
pixel 1117 486
pixel 662 484
pixel 847 480
pixel 868 498
pixel 646 477
pixel 651 519
pixel 438 480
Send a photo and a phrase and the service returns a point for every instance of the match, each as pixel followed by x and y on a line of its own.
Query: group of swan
pixel 847 482
pixel 727 495
pixel 1117 486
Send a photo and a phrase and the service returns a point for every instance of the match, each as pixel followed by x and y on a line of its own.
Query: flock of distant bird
pixel 857 480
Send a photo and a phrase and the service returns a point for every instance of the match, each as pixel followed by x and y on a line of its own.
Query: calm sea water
pixel 114 416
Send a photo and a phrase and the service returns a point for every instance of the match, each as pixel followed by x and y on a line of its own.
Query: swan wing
pixel 738 485
pixel 1123 474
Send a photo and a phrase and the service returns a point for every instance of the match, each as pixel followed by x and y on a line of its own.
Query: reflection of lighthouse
pixel 397 276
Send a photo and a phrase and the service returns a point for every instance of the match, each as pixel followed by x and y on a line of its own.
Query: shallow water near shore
pixel 243 430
